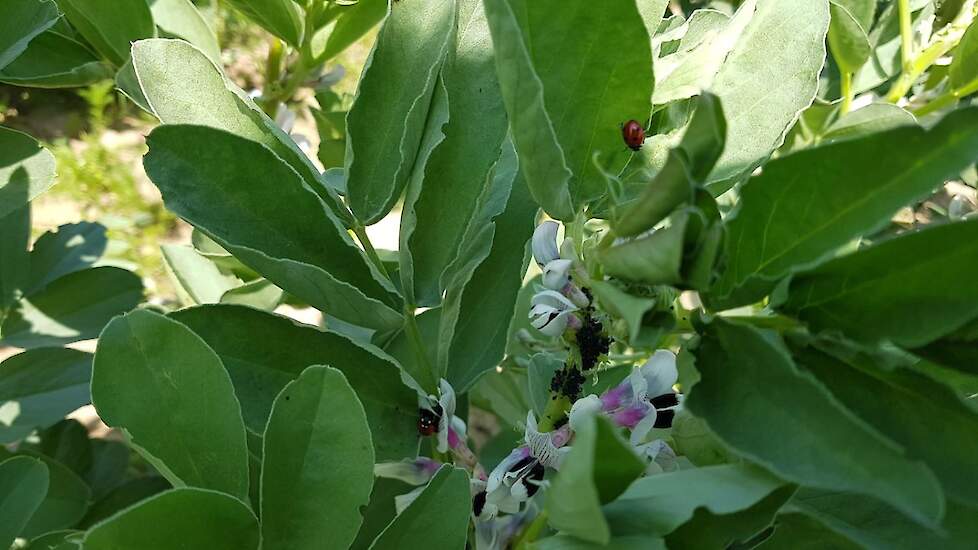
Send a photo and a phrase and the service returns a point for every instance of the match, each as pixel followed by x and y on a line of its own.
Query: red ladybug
pixel 428 420
pixel 633 134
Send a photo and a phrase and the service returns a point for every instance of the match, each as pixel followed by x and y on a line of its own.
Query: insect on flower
pixel 633 134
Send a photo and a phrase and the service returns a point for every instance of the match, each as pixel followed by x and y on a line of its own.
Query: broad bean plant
pixel 669 275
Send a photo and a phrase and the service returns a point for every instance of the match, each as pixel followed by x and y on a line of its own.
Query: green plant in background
pixel 717 335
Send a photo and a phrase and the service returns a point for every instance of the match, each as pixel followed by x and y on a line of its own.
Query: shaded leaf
pixel 23 484
pixel 39 387
pixel 110 28
pixel 53 60
pixel 442 509
pixel 26 170
pixel 71 247
pixel 22 21
pixel 283 18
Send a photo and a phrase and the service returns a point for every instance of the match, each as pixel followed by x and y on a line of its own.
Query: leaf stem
pixel 361 232
pixel 906 33
pixel 848 93
pixel 947 98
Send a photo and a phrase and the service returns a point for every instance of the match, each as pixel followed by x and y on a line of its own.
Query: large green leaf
pixel 598 469
pixel 161 382
pixel 437 520
pixel 22 21
pixel 219 183
pixel 53 60
pixel 910 290
pixel 70 248
pixel 660 504
pixel 261 367
pixel 26 170
pixel 785 44
pixel 64 504
pixel 180 18
pixel 800 532
pixel 545 171
pixel 72 308
pixel 182 85
pixel 110 27
pixel 756 401
pixel 709 530
pixel 317 468
pixel 906 406
pixel 805 206
pixel 124 496
pixel 876 526
pixel 14 259
pixel 386 124
pixel 39 387
pixel 283 18
pixel 485 304
pixel 179 518
pixel 964 70
pixel 458 172
pixel 23 484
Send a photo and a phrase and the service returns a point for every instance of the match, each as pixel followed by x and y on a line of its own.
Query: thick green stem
pixel 948 98
pixel 848 93
pixel 556 410
pixel 361 232
pixel 906 33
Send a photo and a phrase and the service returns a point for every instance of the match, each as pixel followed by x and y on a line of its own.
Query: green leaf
pixel 110 28
pixel 53 60
pixel 181 19
pixel 757 402
pixel 631 309
pixel 283 18
pixel 317 468
pixel 871 119
pixel 709 530
pixel 437 520
pixel 39 387
pixel 261 367
pixel 800 532
pixel 70 248
pixel 963 70
pixel 804 206
pixel 218 182
pixel 165 69
pixel 598 469
pixel 906 407
pixel 910 290
pixel 540 372
pixel 352 23
pixel 660 504
pixel 783 43
pixel 653 259
pixel 108 470
pixel 64 504
pixel 459 172
pixel 685 169
pixel 876 526
pixel 847 36
pixel 23 484
pixel 380 511
pixel 386 124
pixel 486 302
pixel 57 540
pixel 198 279
pixel 161 382
pixel 26 170
pixel 66 442
pixel 188 518
pixel 22 21
pixel 564 542
pixel 72 308
pixel 122 497
pixel 14 260
pixel 545 171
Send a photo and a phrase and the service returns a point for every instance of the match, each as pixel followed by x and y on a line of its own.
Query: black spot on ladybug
pixel 633 134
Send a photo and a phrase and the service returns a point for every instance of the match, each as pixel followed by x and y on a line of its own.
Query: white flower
pixel 542 445
pixel 660 455
pixel 582 409
pixel 513 482
pixel 656 377
pixel 556 274
pixel 551 312
pixel 545 243
pixel 451 429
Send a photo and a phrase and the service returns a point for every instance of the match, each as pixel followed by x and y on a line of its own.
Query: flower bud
pixel 545 243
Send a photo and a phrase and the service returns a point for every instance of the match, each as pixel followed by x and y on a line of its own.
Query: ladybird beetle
pixel 428 420
pixel 633 134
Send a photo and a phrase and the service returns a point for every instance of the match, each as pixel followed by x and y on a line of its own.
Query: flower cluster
pixel 554 309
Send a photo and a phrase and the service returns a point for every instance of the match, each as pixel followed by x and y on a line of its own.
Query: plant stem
pixel 848 93
pixel 947 98
pixel 531 532
pixel 906 33
pixel 556 410
pixel 361 232
pixel 417 343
